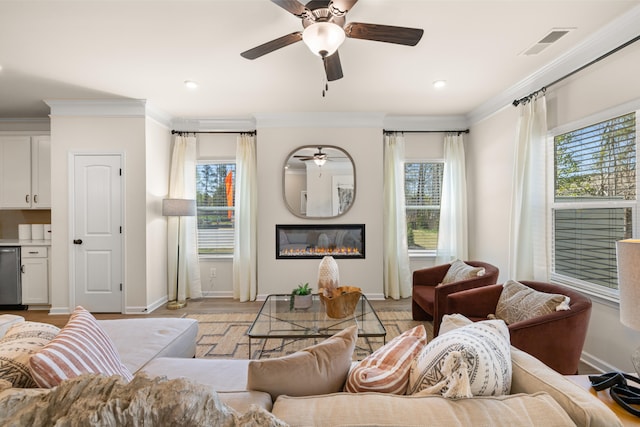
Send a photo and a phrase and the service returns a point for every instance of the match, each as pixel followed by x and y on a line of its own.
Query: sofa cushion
pixel 81 347
pixel 471 360
pixel 7 321
pixel 226 376
pixel 20 342
pixel 377 409
pixel 386 370
pixel 518 302
pixel 140 340
pixel 531 375
pixel 461 271
pixel 319 369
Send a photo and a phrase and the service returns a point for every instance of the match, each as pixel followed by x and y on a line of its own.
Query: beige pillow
pixel 21 341
pixel 518 302
pixel 461 271
pixel 386 370
pixel 319 369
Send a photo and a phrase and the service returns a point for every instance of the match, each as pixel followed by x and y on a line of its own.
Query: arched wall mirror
pixel 319 181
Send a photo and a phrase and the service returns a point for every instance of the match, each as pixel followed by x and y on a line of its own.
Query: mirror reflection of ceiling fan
pixel 318 158
pixel 325 30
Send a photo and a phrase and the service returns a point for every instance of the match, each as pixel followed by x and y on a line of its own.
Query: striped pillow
pixel 81 347
pixel 386 370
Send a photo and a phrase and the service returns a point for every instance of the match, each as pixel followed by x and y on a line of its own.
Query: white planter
pixel 302 302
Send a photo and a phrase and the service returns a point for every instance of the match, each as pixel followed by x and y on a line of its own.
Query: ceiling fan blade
pixel 384 33
pixel 340 7
pixel 292 6
pixel 332 67
pixel 269 47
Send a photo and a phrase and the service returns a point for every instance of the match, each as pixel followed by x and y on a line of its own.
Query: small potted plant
pixel 301 297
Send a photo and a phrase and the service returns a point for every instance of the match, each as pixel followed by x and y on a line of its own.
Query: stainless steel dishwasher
pixel 10 277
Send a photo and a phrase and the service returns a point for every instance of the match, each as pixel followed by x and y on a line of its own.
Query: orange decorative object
pixel 341 301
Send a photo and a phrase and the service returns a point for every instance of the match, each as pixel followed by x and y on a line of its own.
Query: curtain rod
pixel 543 89
pixel 458 131
pixel 182 132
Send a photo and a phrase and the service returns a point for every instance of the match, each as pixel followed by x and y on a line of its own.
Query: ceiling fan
pixel 325 30
pixel 318 158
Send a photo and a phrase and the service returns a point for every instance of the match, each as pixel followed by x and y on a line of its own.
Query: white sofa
pixel 539 395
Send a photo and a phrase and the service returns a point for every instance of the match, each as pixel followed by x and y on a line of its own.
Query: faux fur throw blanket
pixel 95 400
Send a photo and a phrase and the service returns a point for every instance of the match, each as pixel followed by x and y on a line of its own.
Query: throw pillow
pixel 386 370
pixel 16 347
pixel 474 360
pixel 518 302
pixel 453 321
pixel 319 369
pixel 81 347
pixel 461 271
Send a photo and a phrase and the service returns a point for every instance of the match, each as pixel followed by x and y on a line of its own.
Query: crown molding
pixel 616 33
pixel 228 124
pixel 425 123
pixel 97 107
pixel 320 120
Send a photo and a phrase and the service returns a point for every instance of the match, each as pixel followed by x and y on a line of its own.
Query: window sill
pixel 606 297
pixel 215 257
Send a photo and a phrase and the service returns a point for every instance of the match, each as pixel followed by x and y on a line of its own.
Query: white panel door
pixel 97 236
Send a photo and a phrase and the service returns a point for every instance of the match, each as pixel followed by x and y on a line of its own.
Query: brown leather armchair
pixel 556 339
pixel 429 295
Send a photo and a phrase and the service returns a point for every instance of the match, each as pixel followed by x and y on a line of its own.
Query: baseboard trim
pixel 597 363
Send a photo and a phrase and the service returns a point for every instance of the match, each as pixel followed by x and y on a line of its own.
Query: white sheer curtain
pixel 527 250
pixel 246 220
pixel 182 185
pixel 397 272
pixel 452 232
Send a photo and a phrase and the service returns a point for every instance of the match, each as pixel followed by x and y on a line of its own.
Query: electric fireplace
pixel 319 240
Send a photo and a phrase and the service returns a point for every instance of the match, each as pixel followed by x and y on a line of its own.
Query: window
pixel 594 201
pixel 215 195
pixel 422 188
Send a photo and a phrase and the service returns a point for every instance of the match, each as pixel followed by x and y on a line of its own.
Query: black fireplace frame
pixel 310 250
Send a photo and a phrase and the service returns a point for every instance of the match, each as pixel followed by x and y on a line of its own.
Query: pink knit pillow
pixel 81 347
pixel 386 370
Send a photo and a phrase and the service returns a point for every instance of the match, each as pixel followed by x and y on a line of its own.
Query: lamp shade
pixel 323 38
pixel 628 255
pixel 179 207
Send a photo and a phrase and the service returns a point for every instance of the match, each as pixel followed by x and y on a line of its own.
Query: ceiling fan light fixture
pixel 323 38
pixel 319 161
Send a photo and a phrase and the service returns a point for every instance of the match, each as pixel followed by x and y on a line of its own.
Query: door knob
pixel 77 241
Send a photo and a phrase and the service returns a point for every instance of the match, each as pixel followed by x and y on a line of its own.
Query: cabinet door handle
pixel 26 198
pixel 22 269
pixel 35 198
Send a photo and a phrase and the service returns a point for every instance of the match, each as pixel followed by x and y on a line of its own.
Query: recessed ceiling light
pixel 439 84
pixel 190 84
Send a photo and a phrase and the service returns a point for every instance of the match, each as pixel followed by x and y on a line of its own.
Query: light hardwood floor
pixel 199 306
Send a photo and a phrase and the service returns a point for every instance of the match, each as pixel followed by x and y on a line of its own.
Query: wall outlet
pixel 212 272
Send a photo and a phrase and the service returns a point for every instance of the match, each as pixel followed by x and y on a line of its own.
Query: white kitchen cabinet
pixel 25 172
pixel 35 275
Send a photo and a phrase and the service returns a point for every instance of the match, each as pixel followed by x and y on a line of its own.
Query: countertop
pixel 18 242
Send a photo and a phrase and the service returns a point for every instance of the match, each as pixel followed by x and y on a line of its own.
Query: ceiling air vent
pixel 551 37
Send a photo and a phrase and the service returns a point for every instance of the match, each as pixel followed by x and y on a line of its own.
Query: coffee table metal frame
pixel 276 320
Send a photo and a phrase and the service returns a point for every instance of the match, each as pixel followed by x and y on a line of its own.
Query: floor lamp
pixel 179 208
pixel 628 252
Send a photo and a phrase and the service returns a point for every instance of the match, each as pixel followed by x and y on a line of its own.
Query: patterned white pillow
pixel 81 347
pixel 474 360
pixel 22 340
pixel 461 271
pixel 386 370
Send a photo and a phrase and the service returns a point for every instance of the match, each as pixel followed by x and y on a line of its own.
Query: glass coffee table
pixel 276 320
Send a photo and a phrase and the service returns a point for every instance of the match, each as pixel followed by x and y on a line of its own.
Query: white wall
pixel 158 161
pixel 365 147
pixel 88 134
pixel 606 85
